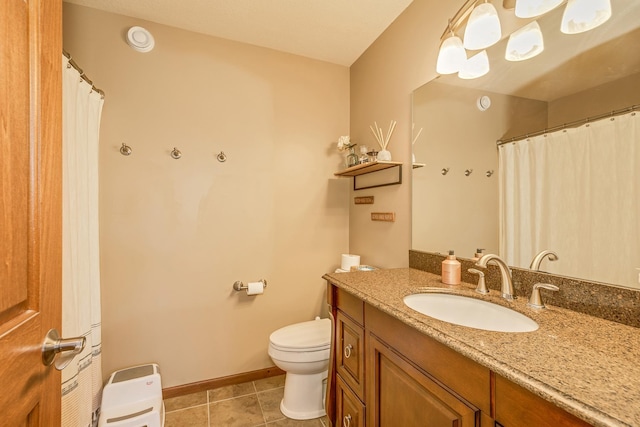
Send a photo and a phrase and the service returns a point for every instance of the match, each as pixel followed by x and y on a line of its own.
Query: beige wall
pixel 455 211
pixel 615 95
pixel 176 234
pixel 382 80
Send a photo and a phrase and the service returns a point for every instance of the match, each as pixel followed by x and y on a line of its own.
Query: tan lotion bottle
pixel 451 270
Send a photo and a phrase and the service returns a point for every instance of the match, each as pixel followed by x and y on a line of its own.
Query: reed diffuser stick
pixel 383 141
pixel 416 137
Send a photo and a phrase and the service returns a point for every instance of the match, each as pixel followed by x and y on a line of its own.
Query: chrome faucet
pixel 505 273
pixel 535 263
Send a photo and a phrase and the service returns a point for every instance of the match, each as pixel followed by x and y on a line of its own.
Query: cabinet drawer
pixel 517 407
pixel 350 305
pixel 349 411
pixel 350 353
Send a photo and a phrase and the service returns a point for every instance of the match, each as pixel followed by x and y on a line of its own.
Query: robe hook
pixel 175 153
pixel 125 150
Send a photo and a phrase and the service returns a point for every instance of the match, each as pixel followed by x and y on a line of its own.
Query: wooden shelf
pixel 419 165
pixel 367 168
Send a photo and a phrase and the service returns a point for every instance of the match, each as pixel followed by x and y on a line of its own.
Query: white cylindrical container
pixel 349 260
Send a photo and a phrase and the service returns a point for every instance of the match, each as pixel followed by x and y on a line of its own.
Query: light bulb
pixel 483 28
pixel 476 66
pixel 532 8
pixel 451 56
pixel 584 15
pixel 525 43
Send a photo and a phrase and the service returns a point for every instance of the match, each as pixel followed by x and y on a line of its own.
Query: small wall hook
pixel 468 172
pixel 444 171
pixel 489 173
pixel 175 153
pixel 125 150
pixel 221 157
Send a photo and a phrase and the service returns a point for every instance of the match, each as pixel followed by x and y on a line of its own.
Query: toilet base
pixel 303 396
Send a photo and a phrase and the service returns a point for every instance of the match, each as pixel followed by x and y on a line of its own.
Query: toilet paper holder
pixel 239 286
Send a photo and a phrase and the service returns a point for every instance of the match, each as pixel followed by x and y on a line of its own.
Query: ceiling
pixel 336 31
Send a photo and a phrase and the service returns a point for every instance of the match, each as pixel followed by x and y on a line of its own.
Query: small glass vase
pixel 351 158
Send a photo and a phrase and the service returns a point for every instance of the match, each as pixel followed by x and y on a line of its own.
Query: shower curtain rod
pixel 82 74
pixel 570 124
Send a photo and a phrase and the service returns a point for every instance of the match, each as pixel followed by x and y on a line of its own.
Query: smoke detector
pixel 140 39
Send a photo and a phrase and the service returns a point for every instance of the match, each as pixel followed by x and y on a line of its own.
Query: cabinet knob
pixel 346 420
pixel 347 351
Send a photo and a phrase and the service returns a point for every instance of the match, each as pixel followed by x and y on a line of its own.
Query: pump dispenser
pixel 451 270
pixel 477 255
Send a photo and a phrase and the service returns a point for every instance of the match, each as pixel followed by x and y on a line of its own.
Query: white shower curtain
pixel 576 192
pixel 82 379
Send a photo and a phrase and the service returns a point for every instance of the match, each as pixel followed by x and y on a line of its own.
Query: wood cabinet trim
pixel 351 369
pixel 392 380
pixel 351 305
pixel 516 406
pixel 438 360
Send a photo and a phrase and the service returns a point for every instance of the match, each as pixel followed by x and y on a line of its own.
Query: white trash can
pixel 133 398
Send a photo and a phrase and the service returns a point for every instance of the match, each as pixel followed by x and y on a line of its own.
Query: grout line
pixel 208 409
pixel 184 409
pixel 259 403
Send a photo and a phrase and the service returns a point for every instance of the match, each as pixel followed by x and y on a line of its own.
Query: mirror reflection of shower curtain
pixel 575 192
pixel 82 378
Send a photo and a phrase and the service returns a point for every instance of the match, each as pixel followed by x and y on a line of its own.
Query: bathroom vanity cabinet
pixel 390 374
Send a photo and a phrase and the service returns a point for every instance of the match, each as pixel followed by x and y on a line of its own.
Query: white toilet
pixel 302 351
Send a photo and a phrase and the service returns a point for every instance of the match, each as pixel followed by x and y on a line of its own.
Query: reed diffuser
pixel 383 141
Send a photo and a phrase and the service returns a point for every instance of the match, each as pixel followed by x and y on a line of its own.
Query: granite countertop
pixel 586 365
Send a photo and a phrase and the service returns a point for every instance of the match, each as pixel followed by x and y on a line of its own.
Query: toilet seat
pixel 314 335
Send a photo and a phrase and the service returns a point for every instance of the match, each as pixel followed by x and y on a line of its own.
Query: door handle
pixel 53 345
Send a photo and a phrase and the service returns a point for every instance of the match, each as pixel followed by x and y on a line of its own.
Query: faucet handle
pixel 535 300
pixel 482 287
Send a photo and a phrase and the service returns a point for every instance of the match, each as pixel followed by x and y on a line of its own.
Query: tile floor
pixel 251 404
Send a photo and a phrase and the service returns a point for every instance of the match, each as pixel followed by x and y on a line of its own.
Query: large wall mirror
pixel 456 186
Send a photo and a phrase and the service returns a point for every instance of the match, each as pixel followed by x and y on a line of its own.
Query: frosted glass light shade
pixel 532 8
pixel 584 15
pixel 525 43
pixel 476 66
pixel 451 56
pixel 483 28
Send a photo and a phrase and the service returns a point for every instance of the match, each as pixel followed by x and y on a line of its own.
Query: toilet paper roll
pixel 349 260
pixel 255 288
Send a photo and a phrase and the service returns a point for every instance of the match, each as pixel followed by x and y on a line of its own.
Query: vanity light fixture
pixel 451 56
pixel 483 28
pixel 584 15
pixel 533 8
pixel 525 43
pixel 474 67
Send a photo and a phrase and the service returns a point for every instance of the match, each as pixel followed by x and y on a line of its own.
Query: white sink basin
pixel 471 312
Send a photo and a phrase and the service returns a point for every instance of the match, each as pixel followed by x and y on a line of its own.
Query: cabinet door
pixel 398 394
pixel 350 353
pixel 349 409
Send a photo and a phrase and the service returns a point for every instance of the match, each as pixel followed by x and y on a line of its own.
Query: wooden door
pixel 30 208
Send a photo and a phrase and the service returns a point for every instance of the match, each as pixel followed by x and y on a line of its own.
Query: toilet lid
pixel 311 335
